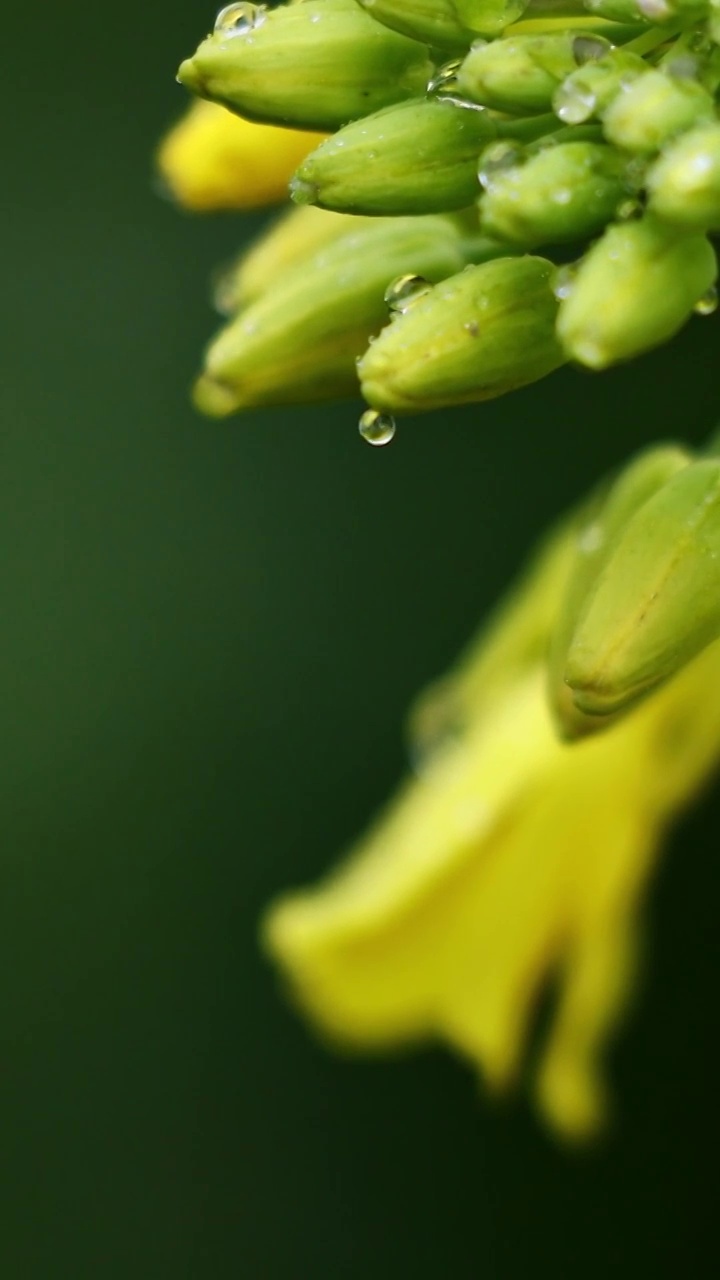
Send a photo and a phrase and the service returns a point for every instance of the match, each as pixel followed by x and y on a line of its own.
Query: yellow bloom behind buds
pixel 511 860
pixel 212 160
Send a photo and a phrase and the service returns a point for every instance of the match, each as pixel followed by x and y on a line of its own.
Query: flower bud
pixel 564 192
pixel 314 65
pixel 446 24
pixel 212 160
pixel 656 603
pixel 294 237
pixel 417 157
pixel 299 340
pixel 600 524
pixel 477 335
pixel 587 93
pixel 635 289
pixel 647 113
pixel 684 182
pixel 434 22
pixel 521 73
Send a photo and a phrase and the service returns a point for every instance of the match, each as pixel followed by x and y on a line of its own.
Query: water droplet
pixel 562 195
pixel 574 102
pixel 472 327
pixel 589 49
pixel 628 209
pixel 684 67
pixel 655 10
pixel 497 160
pixel 223 289
pixel 375 427
pixel 563 280
pixel 708 303
pixel 238 19
pixel 445 78
pixel 405 291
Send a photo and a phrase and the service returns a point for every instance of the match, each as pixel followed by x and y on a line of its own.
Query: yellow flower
pixel 511 861
pixel 213 159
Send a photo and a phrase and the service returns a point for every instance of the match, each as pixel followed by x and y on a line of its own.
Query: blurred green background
pixel 211 633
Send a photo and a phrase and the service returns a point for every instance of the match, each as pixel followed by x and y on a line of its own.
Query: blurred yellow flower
pixel 512 860
pixel 213 159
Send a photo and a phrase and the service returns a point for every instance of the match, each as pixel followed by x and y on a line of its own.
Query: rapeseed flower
pixel 493 188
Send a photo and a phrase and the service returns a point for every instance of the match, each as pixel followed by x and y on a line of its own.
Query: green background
pixel 210 635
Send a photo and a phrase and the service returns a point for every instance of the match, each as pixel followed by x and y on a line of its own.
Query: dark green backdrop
pixel 210 634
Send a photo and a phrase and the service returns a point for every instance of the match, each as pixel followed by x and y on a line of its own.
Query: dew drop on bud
pixel 445 78
pixel 405 291
pixel 589 49
pixel 376 428
pixel 708 303
pixel 628 209
pixel 573 103
pixel 223 289
pixel 563 280
pixel 496 160
pixel 238 19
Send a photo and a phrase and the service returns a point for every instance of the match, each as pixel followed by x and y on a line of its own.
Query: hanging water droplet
pixel 238 19
pixel 563 280
pixel 445 78
pixel 708 303
pixel 589 48
pixel 223 289
pixel 654 10
pixel 497 160
pixel 375 427
pixel 628 209
pixel 405 291
pixel 684 67
pixel 574 102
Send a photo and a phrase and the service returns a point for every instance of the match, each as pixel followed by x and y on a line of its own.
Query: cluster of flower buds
pixel 463 134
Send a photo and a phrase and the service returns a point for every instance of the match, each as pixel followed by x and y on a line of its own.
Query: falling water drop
pixel 707 303
pixel 376 428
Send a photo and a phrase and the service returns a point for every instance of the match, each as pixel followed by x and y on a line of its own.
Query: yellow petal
pixel 213 159
pixel 513 861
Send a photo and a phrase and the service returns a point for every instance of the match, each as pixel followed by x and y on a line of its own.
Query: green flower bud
pixel 434 22
pixel 477 335
pixel 292 238
pixel 299 340
pixel 601 523
pixel 417 157
pixel 635 289
pixel 586 93
pixel 646 114
pixel 684 182
pixel 565 192
pixel 656 603
pixel 521 73
pixel 314 65
pixel 446 24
